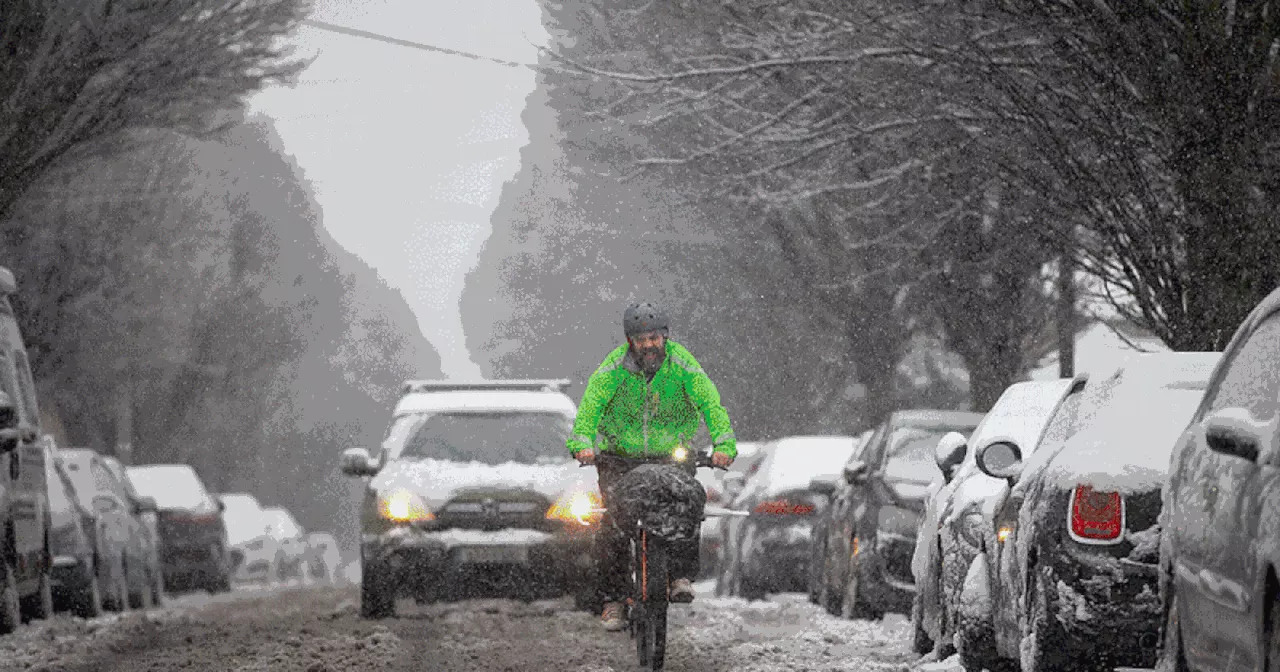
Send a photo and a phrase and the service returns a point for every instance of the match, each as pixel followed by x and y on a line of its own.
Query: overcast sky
pixel 408 149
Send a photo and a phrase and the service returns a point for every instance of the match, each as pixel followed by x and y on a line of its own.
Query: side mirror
pixel 222 506
pixel 823 486
pixel 356 462
pixel 1234 432
pixel 1001 459
pixel 146 505
pixel 950 453
pixel 855 472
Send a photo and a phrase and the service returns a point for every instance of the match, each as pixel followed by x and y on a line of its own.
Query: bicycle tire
pixel 658 585
pixel 638 614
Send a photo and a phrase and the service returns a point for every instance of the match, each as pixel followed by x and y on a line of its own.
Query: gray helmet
pixel 639 318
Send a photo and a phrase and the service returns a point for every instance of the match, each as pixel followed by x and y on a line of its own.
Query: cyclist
pixel 643 401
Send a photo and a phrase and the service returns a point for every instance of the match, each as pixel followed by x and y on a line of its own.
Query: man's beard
pixel 650 359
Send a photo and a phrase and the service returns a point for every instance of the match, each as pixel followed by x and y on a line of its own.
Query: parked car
pixel 26 571
pixel 1068 573
pixel 769 551
pixel 952 529
pixel 78 577
pixel 254 552
pixel 1221 518
pixel 193 536
pixel 827 486
pixel 150 529
pixel 323 557
pixel 290 541
pixel 726 528
pixel 117 527
pixel 876 512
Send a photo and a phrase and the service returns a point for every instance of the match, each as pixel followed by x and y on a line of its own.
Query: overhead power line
pixel 354 32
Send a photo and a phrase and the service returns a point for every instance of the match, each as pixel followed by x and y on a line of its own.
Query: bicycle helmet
pixel 639 318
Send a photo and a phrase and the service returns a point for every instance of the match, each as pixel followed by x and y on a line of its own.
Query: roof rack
pixel 530 385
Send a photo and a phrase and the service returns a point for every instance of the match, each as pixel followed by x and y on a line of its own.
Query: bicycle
pixel 646 609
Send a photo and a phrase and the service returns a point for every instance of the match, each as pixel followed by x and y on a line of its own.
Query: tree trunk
pixel 1066 313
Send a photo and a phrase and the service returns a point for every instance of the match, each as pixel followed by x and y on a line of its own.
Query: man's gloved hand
pixel 587 456
pixel 721 460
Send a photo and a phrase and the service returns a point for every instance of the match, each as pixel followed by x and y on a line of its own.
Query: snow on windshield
pixel 243 517
pixel 1129 425
pixel 489 437
pixel 173 486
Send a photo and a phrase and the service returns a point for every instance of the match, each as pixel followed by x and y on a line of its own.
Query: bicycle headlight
pixel 680 453
pixel 577 507
pixel 404 506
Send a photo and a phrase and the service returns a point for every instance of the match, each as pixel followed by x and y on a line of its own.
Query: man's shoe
pixel 681 591
pixel 611 618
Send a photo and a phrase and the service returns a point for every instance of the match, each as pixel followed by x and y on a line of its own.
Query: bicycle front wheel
pixel 654 585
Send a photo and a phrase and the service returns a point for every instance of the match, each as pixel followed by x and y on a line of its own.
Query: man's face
pixel 650 348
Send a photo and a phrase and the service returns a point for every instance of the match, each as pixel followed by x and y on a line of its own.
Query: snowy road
pixel 319 630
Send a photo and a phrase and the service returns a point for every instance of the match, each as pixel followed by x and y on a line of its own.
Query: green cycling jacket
pixel 623 413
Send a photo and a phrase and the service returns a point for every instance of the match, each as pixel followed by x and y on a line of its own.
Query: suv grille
pixel 495 512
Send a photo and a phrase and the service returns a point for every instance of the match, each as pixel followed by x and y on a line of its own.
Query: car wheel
pixel 1273 639
pixel 117 596
pixel 1044 644
pixel 377 593
pixel 88 602
pixel 10 605
pixel 1172 658
pixel 42 601
pixel 157 586
pixel 921 642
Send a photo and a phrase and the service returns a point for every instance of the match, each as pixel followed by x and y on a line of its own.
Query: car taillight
pixel 1096 517
pixel 783 507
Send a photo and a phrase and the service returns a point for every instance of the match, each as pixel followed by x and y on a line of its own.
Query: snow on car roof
pixel 173 486
pixel 1021 413
pixel 1129 422
pixel 486 400
pixel 243 517
pixel 935 418
pixel 796 460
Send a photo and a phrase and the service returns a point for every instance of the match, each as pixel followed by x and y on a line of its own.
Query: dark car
pixel 117 528
pixel 1219 558
pixel 1071 575
pixel 194 553
pixel 149 525
pixel 877 511
pixel 771 546
pixel 473 492
pixel 26 570
pixel 827 486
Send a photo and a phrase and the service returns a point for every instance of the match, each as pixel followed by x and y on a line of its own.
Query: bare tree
pixel 75 72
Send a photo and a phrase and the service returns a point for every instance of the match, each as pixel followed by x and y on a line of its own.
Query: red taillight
pixel 1096 516
pixel 783 507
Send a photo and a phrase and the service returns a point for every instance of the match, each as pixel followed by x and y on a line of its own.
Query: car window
pixel 9 381
pixel 1251 380
pixel 1063 424
pixel 59 493
pixel 26 389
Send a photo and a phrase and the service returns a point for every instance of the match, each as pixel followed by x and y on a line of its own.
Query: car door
pixel 854 506
pixel 1216 517
pixel 113 512
pixel 137 547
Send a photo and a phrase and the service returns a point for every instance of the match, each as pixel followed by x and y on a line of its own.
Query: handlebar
pixel 699 460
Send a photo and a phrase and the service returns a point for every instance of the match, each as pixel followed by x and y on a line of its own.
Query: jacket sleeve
pixel 600 389
pixel 706 397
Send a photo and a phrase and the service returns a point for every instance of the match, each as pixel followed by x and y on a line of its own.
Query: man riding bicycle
pixel 643 401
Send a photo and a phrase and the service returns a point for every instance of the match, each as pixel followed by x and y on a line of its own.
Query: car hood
pixel 436 481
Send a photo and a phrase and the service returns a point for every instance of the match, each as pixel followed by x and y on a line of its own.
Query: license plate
pixel 492 555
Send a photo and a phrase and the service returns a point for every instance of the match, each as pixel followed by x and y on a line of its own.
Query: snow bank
pixel 1130 422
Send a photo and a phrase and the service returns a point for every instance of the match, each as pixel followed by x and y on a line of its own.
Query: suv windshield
pixel 491 437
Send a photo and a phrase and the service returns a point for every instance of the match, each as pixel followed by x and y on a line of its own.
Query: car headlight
pixel 581 507
pixel 403 506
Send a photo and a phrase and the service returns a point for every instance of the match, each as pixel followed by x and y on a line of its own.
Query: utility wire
pixel 416 45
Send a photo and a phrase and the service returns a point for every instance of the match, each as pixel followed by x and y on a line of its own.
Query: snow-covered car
pixel 713 481
pixel 150 526
pixel 741 472
pixel 771 547
pixel 78 579
pixel 1068 571
pixel 877 512
pixel 1221 516
pixel 290 542
pixel 193 536
pixel 828 486
pixel 253 552
pixel 952 528
pixel 473 489
pixel 323 557
pixel 117 527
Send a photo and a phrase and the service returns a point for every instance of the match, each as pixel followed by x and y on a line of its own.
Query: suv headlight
pixel 581 507
pixel 403 506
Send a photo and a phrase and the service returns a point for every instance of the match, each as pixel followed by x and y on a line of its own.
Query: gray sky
pixel 383 131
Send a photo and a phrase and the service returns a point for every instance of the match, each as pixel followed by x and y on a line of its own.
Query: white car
pixel 291 554
pixel 253 552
